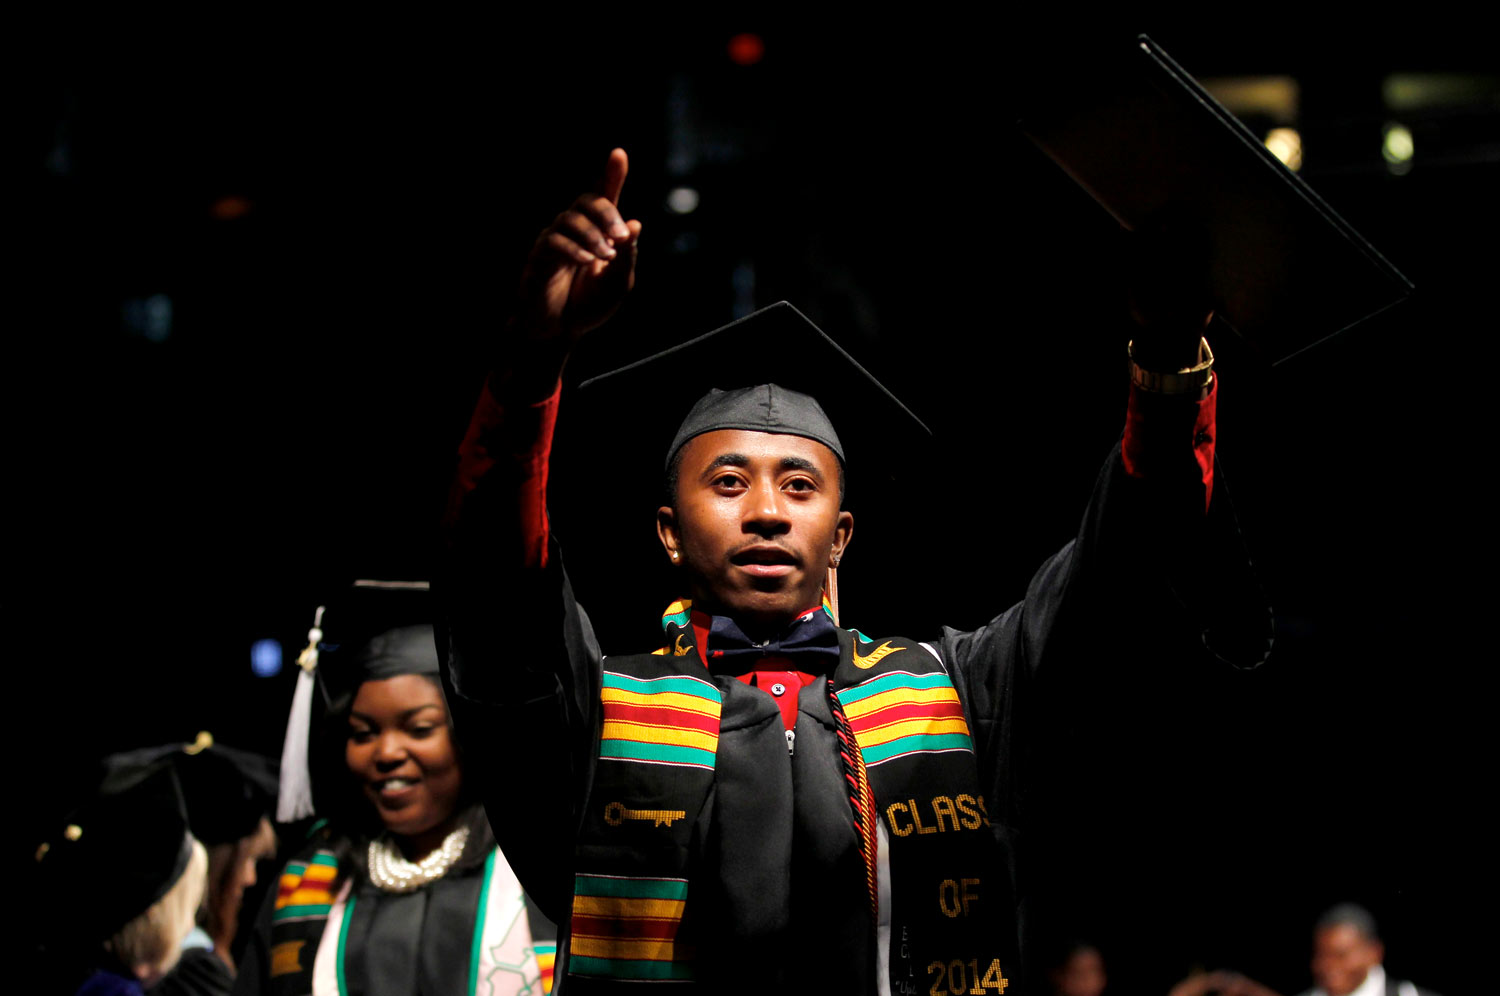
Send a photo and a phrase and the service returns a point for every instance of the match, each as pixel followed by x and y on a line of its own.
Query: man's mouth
pixel 765 561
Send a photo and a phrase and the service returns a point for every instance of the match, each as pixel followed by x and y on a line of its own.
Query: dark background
pixel 262 267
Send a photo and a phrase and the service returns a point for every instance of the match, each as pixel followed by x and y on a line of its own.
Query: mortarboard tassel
pixel 294 799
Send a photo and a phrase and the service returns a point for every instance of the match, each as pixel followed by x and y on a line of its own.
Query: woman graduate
pixel 403 891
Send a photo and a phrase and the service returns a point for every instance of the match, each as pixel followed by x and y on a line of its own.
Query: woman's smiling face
pixel 401 749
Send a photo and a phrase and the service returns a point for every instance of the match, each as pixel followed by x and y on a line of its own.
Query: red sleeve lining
pixel 520 436
pixel 1160 428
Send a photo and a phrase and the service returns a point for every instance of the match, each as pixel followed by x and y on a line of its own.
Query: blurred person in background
pixel 118 886
pixel 229 796
pixel 1220 983
pixel 1077 969
pixel 400 890
pixel 1348 954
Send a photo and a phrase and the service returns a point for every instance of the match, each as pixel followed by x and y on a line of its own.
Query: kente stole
pixel 633 919
pixel 312 909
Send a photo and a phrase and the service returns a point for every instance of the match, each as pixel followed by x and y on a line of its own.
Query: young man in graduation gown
pixel 767 802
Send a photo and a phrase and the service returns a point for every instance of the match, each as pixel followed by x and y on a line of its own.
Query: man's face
pixel 1342 957
pixel 757 523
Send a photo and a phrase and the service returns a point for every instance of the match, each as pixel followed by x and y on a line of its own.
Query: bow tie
pixel 810 634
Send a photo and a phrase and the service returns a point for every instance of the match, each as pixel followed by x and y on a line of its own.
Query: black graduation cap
pixel 226 790
pixel 616 432
pixel 1133 129
pixel 371 630
pixel 116 854
pixel 375 629
pixel 637 411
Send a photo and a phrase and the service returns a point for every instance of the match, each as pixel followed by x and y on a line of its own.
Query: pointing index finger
pixel 614 175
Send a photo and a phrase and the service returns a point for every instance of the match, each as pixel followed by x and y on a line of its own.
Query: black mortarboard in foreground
pixel 808 386
pixel 762 408
pixel 116 854
pixel 1151 146
pixel 226 791
pixel 616 432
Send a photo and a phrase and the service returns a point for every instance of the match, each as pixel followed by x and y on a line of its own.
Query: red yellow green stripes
pixel 546 960
pixel 672 720
pixel 901 713
pixel 306 888
pixel 625 927
pixel 677 614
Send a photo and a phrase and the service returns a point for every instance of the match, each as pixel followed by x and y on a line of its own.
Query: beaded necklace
pixel 390 871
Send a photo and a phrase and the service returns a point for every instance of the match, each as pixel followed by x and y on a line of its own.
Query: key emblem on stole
pixel 616 813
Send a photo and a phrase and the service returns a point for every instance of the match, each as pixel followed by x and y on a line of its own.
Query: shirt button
pixel 778 689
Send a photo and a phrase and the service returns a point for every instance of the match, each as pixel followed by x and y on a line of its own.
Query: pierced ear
pixel 843 532
pixel 666 531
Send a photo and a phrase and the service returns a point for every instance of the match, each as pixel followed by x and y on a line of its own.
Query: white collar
pixel 1374 984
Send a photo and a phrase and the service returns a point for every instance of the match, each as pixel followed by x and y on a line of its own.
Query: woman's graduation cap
pixel 374 629
pixel 618 431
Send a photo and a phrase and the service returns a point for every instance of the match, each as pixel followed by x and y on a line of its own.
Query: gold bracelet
pixel 1188 380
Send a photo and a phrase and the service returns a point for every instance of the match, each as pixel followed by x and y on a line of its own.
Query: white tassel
pixel 294 796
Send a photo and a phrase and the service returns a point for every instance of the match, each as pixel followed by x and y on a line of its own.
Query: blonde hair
pixel 152 942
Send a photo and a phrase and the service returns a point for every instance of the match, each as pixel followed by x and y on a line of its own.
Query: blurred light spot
pixel 1286 144
pixel 149 317
pixel 1274 97
pixel 682 200
pixel 746 49
pixel 231 207
pixel 1398 148
pixel 1426 91
pixel 685 242
pixel 265 658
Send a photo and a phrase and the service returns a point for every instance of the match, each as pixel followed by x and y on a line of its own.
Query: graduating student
pixel 399 888
pixel 766 801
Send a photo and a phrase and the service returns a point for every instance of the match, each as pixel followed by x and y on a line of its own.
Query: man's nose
pixel 766 512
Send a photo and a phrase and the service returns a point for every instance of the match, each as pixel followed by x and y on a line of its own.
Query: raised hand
pixel 1170 296
pixel 580 269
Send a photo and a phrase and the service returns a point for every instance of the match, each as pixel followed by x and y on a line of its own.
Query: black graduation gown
pixel 396 944
pixel 522 669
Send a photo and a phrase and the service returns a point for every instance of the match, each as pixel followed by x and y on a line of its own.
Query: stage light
pixel 229 208
pixel 746 49
pixel 1398 148
pixel 1286 144
pixel 682 200
pixel 265 658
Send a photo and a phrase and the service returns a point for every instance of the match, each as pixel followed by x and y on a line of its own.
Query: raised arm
pixel 1157 563
pixel 519 658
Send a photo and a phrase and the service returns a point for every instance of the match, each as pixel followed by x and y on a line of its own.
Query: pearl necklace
pixel 391 872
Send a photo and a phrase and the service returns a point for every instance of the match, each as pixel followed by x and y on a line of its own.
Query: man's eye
pixel 727 481
pixel 801 484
